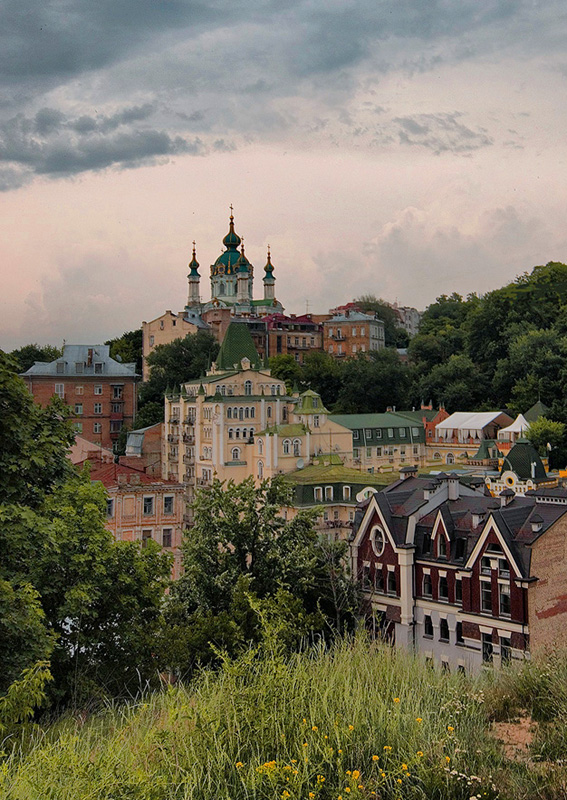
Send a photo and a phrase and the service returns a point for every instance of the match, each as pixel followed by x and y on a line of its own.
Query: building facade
pixel 386 441
pixel 142 508
pixel 100 391
pixel 293 335
pixel 464 578
pixel 351 332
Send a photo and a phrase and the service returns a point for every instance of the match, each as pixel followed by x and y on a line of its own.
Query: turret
pixel 241 267
pixel 194 279
pixel 269 280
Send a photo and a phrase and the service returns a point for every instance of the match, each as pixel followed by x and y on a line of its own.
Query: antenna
pixel 300 463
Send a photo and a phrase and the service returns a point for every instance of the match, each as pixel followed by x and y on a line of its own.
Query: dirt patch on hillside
pixel 516 737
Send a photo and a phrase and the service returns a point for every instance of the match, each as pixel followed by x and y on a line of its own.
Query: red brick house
pixel 462 577
pixel 100 391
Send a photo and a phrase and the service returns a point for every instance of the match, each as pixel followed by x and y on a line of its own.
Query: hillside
pixel 361 721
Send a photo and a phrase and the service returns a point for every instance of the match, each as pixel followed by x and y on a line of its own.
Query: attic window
pixel 377 540
pixel 460 548
pixel 60 368
pixel 442 547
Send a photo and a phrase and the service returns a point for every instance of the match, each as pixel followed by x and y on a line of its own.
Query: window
pixel 368 452
pixel 487 648
pixel 168 504
pixel 315 420
pixel 296 447
pixel 235 454
pixel 426 544
pixel 378 579
pixel 318 492
pixel 116 408
pixel 355 434
pixel 505 649
pixel 354 348
pixel 377 540
pixel 504 599
pixel 231 433
pixel 98 368
pixel 98 408
pixel 79 367
pixel 152 340
pixel 330 331
pixel 362 331
pixel 442 546
pixel 260 470
pixel 346 492
pixel 117 392
pixel 328 492
pixel 458 591
pixel 148 505
pixel 166 537
pixel 485 568
pixel 366 576
pixel 269 412
pixel 97 427
pixel 415 431
pixel 260 446
pixel 273 389
pixel 79 390
pixel 427 585
pixel 460 547
pixel 459 633
pixel 98 388
pixel 78 408
pixel 286 446
pixel 503 568
pixel 443 588
pixel 353 332
pixel 60 368
pixel 146 537
pixel 336 516
pixel 392 582
pixel 486 597
pixel 379 452
pixel 428 626
pixel 378 433
pixel 110 508
pixel 443 630
pixel 355 452
pixel 402 433
pixel 60 390
pixel 391 433
pixel 115 426
pixel 368 433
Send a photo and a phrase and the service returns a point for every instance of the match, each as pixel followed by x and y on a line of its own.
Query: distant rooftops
pixel 83 359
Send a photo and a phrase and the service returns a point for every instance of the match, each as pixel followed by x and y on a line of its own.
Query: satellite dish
pixel 300 463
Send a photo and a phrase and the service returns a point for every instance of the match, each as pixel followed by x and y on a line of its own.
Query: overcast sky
pixel 400 147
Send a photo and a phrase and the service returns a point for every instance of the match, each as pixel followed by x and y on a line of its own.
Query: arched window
pixel 248 387
pixel 236 453
pixel 286 446
pixel 274 387
pixel 260 446
pixel 252 412
pixel 244 431
pixel 229 413
pixel 246 413
pixel 235 413
pixel 231 433
pixel 260 470
pixel 222 289
pixel 223 389
pixel 296 447
pixel 238 433
pixel 240 413
pixel 450 458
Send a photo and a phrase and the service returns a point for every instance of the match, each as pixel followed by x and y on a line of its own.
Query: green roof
pixel 383 421
pixel 236 345
pixel 520 460
pixel 419 414
pixel 488 449
pixel 538 410
pixel 293 429
pixel 310 403
pixel 337 473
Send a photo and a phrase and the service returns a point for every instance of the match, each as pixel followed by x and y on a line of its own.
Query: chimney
pixel 454 487
pixel 537 523
pixel 506 497
pixel 408 472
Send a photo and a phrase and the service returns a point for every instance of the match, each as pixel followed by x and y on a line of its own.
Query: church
pixel 232 297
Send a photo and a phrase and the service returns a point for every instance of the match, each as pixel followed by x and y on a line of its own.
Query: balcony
pixel 188 459
pixel 338 337
pixel 189 420
pixel 204 481
pixel 187 478
pixel 174 421
pixel 188 438
pixel 172 437
pixel 116 416
pixel 172 476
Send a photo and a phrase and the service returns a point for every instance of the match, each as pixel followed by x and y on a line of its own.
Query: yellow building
pixel 239 421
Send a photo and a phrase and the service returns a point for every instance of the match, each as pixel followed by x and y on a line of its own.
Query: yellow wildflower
pixel 418 719
pixel 294 760
pixel 360 786
pixel 304 721
pixel 404 766
pixel 375 758
pixel 314 728
pixel 320 779
pixel 304 744
pixel 347 789
pixel 450 728
pixel 447 759
pixel 356 775
pixel 420 753
pixel 387 748
pixel 383 774
pixel 239 764
pixel 399 780
pixel 396 699
pixel 348 772
pixel 285 793
pixel 326 737
pixel 311 794
pixel 340 751
pixel 351 727
pixel 340 797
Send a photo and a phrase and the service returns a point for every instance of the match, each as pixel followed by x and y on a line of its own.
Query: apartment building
pixel 350 332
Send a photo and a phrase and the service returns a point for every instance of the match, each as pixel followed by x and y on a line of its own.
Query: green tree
pixel 26 356
pixel 543 432
pixel 457 384
pixel 372 382
pixel 323 374
pixel 175 363
pixel 286 368
pixel 128 348
pixel 242 552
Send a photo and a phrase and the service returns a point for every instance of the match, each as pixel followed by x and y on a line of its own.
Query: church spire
pixel 269 280
pixel 194 279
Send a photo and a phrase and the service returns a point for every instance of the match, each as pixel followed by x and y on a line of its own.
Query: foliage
pixel 543 432
pixel 323 374
pixel 26 356
pixel 456 384
pixel 24 696
pixel 285 368
pixel 357 716
pixel 175 363
pixel 150 414
pixel 128 348
pixel 241 555
pixel 372 382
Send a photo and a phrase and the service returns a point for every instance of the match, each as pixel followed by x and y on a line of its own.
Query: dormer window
pixel 426 544
pixel 442 551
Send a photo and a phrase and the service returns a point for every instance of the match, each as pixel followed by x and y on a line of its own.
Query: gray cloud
pixel 441 132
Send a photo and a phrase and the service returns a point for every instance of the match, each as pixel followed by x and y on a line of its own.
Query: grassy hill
pixel 360 721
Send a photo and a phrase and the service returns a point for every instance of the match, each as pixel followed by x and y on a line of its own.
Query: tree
pixel 128 348
pixel 241 556
pixel 175 363
pixel 457 384
pixel 323 374
pixel 543 432
pixel 394 334
pixel 26 356
pixel 372 382
pixel 286 368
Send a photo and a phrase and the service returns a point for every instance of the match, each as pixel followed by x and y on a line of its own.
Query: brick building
pixel 293 335
pixel 349 332
pixel 141 508
pixel 464 578
pixel 100 391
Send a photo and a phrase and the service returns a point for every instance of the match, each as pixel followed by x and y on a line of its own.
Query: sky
pixel 395 147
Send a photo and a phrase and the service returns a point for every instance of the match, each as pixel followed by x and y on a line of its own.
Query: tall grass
pixel 358 721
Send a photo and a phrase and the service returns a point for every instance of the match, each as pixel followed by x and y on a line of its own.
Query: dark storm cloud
pixel 441 132
pixel 52 144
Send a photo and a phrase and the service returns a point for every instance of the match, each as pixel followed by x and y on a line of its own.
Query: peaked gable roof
pixel 236 345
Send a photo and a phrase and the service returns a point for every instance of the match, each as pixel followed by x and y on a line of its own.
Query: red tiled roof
pixel 108 475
